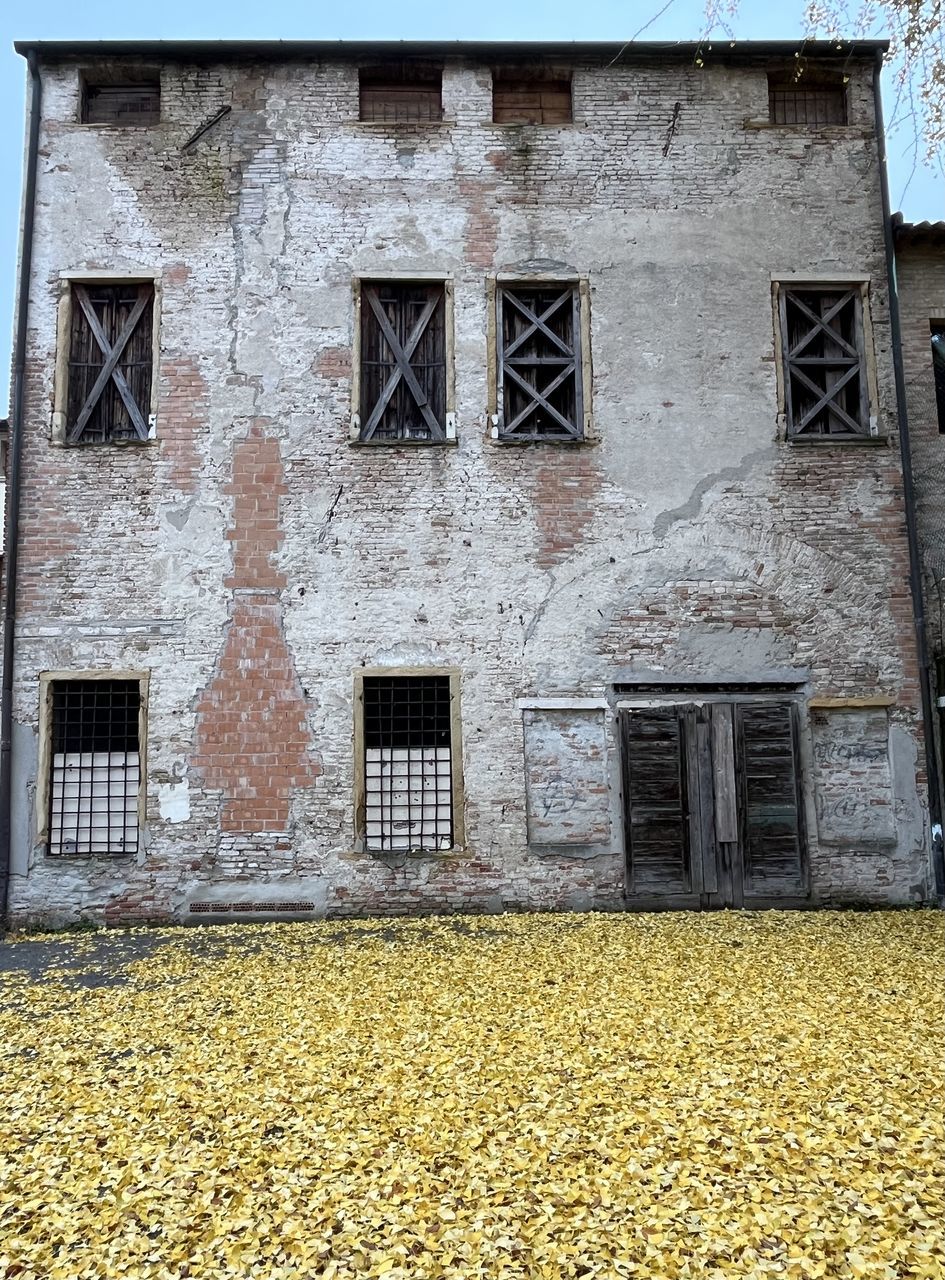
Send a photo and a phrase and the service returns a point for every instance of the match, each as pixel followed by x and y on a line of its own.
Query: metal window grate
pixel 812 104
pixel 122 104
pixel 95 771
pixel 408 763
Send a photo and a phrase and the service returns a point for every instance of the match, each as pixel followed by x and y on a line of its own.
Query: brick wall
pixel 252 559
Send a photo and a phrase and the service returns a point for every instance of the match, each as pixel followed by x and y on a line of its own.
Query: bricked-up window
pixel 823 361
pixel 408 768
pixel 95 768
pixel 806 102
pixel 401 92
pixel 111 357
pixel 137 103
pixel 539 362
pixel 531 97
pixel 403 361
pixel 938 370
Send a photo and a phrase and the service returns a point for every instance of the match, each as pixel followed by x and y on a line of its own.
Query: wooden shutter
pixel 531 99
pixel 824 366
pixel 657 771
pixel 403 94
pixel 111 358
pixel 138 103
pixel 773 859
pixel 403 362
pixel 540 376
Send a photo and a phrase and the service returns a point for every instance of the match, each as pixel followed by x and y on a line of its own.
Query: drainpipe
pixel 908 490
pixel 13 478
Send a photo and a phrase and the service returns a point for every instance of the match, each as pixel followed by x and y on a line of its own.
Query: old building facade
pixel 920 271
pixel 460 478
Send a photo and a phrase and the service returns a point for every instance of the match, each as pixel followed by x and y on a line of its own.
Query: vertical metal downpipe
pixel 13 479
pixel 908 487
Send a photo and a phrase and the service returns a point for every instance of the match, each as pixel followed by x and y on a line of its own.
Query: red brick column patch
pixel 253 742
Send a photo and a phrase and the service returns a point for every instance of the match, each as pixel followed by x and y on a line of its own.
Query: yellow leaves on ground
pixel 542 1097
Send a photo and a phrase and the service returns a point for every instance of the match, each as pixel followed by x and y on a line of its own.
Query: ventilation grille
pixel 249 908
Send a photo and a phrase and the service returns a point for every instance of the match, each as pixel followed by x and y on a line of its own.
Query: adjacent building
pixel 460 477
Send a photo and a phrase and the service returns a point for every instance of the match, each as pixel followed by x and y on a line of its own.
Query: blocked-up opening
pixel 95 769
pixel 531 97
pixel 408 763
pixel 803 101
pixel 130 103
pixel 404 92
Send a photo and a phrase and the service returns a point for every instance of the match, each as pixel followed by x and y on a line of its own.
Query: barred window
pixel 823 361
pixel 110 362
pixel 137 103
pixel 801 101
pixel 405 93
pixel 540 391
pixel 95 767
pixel 403 362
pixel 408 762
pixel 531 97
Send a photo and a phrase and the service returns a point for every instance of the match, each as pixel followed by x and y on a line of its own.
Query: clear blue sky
pixel 922 196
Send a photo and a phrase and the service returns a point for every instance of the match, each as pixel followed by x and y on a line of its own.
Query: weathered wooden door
pixel 712 805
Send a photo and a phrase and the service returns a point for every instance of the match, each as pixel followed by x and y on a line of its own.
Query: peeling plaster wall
pixel 688 540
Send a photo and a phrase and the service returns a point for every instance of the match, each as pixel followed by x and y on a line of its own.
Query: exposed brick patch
pixel 482 223
pixel 253 743
pixel 566 490
pixel 256 535
pixel 333 362
pixel 182 419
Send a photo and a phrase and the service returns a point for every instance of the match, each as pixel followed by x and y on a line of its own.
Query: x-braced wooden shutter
pixel 539 362
pixel 403 362
pixel 825 382
pixel 111 358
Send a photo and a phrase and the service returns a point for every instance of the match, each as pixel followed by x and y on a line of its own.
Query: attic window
pixel 800 100
pixel 402 93
pixel 131 103
pixel 531 97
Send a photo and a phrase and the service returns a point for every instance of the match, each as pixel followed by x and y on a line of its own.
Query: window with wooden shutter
pixel 405 93
pixel 531 97
pixel 135 103
pixel 804 101
pixel 110 362
pixel 824 361
pixel 539 362
pixel 403 374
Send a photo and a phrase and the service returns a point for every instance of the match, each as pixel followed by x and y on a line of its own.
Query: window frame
pixel 67 282
pixel 47 679
pixel 359 788
pixel 782 282
pixel 495 287
pixel 809 79
pixel 396 74
pixel 536 76
pixel 937 330
pixel 449 355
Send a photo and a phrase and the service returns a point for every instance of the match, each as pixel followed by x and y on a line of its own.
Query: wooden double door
pixel 712 803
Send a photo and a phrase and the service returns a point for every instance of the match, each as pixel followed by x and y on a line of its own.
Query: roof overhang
pixel 483 51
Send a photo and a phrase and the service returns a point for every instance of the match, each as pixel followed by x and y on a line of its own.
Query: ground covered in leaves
pixel 545 1096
